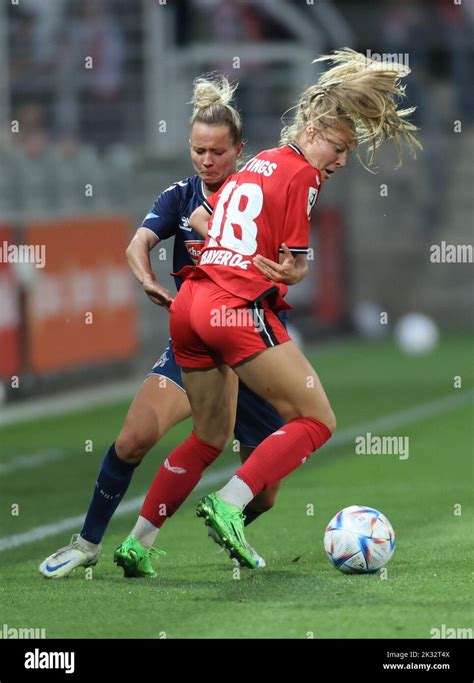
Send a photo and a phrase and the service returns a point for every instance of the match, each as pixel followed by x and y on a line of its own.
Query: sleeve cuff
pixel 207 206
pixel 295 250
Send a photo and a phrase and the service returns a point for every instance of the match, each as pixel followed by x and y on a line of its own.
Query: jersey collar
pixel 295 149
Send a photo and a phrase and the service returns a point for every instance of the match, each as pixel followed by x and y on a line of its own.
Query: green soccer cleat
pixel 135 559
pixel 217 539
pixel 228 523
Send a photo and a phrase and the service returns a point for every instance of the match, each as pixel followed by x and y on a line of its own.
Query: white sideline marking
pixel 420 412
pixel 70 401
pixel 29 460
pixel 346 436
pixel 430 409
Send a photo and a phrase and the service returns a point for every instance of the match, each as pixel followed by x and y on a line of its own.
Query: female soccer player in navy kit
pixel 161 403
pixel 258 213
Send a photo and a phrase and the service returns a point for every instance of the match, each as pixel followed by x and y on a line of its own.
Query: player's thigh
pixel 159 405
pixel 284 377
pixel 212 394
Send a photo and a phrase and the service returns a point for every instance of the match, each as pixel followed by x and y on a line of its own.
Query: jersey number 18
pixel 223 232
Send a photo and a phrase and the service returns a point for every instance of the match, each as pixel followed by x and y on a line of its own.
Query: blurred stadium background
pixel 83 153
pixel 94 108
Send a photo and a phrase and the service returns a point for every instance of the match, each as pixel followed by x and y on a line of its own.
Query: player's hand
pixel 158 294
pixel 285 272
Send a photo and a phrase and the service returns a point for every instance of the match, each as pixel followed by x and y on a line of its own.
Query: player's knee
pixel 219 441
pixel 329 419
pixel 132 446
pixel 215 435
pixel 228 437
pixel 324 415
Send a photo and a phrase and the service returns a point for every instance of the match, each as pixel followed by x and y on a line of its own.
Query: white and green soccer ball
pixel 359 540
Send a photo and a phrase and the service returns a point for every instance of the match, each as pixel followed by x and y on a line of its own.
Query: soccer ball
pixel 359 540
pixel 416 333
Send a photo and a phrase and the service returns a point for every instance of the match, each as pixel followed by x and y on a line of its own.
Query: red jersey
pixel 267 203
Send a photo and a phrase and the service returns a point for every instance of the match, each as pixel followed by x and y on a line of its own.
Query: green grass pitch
pixel 198 592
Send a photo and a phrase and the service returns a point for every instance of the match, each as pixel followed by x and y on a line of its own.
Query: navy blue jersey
pixel 169 217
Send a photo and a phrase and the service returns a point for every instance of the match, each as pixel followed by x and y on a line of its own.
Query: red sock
pixel 282 452
pixel 176 478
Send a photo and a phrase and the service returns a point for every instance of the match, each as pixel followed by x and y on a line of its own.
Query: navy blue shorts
pixel 256 419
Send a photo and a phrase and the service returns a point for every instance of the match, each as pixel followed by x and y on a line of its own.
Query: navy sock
pixel 251 516
pixel 112 483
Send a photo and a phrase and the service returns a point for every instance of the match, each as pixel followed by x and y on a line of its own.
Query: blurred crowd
pixel 78 117
pixel 68 86
pixel 438 35
pixel 40 173
pixel 48 45
pixel 48 42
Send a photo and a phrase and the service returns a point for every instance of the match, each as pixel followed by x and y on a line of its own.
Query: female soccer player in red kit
pixel 225 319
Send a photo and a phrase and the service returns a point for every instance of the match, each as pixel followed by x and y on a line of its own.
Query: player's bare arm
pixel 138 256
pixel 289 271
pixel 199 220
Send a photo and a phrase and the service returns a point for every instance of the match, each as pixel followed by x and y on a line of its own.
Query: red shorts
pixel 211 327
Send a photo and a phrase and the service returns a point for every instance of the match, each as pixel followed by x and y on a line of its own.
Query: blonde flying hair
pixel 212 105
pixel 357 96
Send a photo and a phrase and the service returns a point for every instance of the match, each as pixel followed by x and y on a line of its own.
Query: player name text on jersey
pixel 224 258
pixel 260 166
